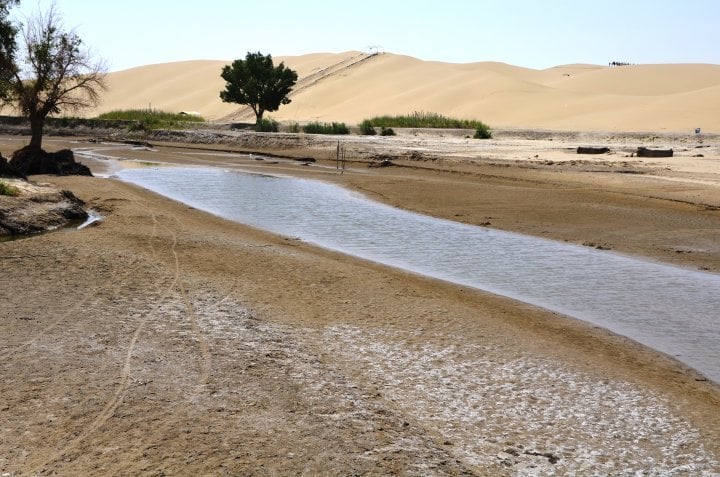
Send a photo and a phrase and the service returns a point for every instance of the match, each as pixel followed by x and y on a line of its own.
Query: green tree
pixel 8 45
pixel 48 72
pixel 257 83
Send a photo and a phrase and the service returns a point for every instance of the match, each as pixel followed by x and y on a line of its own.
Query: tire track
pixel 117 398
pixel 4 355
pixel 206 356
pixel 39 334
pixel 122 388
pixel 200 338
pixel 113 284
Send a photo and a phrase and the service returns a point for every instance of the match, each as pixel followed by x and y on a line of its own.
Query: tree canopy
pixel 8 45
pixel 257 83
pixel 48 71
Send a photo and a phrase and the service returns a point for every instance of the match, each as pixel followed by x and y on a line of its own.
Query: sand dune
pixel 352 86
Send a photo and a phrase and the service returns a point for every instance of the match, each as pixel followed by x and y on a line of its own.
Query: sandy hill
pixel 352 86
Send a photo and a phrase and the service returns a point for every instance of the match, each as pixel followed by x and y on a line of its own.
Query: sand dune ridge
pixel 351 86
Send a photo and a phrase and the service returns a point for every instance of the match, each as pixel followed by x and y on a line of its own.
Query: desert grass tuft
pixel 8 190
pixel 483 132
pixel 367 129
pixel 423 119
pixel 148 119
pixel 266 125
pixel 325 128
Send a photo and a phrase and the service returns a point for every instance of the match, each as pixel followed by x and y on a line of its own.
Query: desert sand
pixel 165 340
pixel 353 86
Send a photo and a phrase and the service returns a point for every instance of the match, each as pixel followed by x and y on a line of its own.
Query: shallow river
pixel 671 309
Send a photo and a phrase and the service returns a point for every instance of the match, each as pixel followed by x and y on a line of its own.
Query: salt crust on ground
pixel 525 416
pixel 533 417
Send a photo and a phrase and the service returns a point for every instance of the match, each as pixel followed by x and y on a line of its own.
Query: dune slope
pixel 352 86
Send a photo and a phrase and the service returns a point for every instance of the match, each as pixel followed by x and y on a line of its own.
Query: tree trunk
pixel 36 131
pixel 258 120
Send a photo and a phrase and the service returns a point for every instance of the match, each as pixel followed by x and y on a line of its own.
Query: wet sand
pixel 166 340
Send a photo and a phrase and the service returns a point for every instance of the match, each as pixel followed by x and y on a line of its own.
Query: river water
pixel 671 309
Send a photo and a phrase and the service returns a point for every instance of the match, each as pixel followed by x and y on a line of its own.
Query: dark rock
pixel 6 170
pixel 645 152
pixel 75 210
pixel 592 150
pixel 383 163
pixel 29 161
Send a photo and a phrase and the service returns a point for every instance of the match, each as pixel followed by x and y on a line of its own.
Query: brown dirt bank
pixel 168 341
pixel 37 208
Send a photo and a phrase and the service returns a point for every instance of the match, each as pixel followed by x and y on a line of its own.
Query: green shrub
pixel 152 118
pixel 483 132
pixel 266 125
pixel 7 189
pixel 325 128
pixel 294 127
pixel 65 122
pixel 386 131
pixel 421 119
pixel 313 128
pixel 367 129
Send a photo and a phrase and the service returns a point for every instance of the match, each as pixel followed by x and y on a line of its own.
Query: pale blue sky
pixel 530 33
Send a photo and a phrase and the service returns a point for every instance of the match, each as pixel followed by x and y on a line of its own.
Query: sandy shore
pixel 168 341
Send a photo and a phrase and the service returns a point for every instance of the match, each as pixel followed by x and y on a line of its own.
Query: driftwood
pixel 645 152
pixel 592 150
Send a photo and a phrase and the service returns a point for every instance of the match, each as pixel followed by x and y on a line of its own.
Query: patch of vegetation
pixel 8 190
pixel 147 119
pixel 367 129
pixel 258 83
pixel 422 119
pixel 266 125
pixel 325 128
pixel 483 132
pixel 294 127
pixel 387 131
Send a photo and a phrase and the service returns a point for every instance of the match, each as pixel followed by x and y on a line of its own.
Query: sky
pixel 530 33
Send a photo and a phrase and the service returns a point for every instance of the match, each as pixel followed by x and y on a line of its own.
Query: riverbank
pixel 35 208
pixel 168 340
pixel 530 182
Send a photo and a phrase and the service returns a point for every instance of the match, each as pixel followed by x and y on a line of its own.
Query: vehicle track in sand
pixel 125 379
pixel 112 283
pixel 117 397
pixel 204 348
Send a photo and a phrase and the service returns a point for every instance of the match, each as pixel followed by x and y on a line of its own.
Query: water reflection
pixel 671 309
